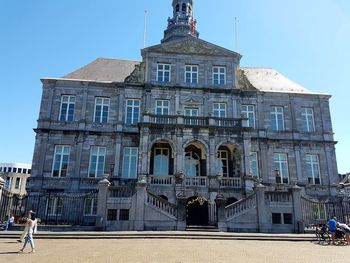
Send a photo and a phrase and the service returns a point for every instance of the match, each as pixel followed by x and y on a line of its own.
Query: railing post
pixel 297 209
pixel 141 195
pixel 181 212
pixel 263 223
pixel 220 204
pixel 102 203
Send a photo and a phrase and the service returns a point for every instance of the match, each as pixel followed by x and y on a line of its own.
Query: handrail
pixel 161 204
pixel 240 206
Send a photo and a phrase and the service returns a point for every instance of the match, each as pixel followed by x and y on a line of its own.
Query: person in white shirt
pixel 32 226
pixel 346 229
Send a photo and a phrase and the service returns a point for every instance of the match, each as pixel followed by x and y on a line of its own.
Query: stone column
pixel 220 204
pixel 297 209
pixel 2 183
pixel 263 222
pixel 102 204
pixel 141 193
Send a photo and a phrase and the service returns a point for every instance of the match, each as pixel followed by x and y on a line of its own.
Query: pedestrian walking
pixel 24 233
pixel 32 226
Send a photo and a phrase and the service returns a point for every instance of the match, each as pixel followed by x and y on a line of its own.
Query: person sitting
pixel 9 222
pixel 346 229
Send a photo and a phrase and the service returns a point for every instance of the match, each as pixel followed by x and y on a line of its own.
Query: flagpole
pixel 236 34
pixel 145 30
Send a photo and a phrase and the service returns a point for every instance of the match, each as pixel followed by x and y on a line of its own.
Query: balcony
pixel 193 121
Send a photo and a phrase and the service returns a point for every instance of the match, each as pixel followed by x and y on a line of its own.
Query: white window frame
pixel 102 102
pixel 191 112
pixel 254 164
pixel 162 107
pixel 161 168
pixel 219 75
pixel 92 207
pixel 277 118
pixel 19 180
pixel 100 152
pixel 163 72
pixel 191 74
pixel 219 110
pixel 134 106
pixel 220 164
pixel 56 208
pixel 313 167
pixel 248 111
pixel 130 162
pixel 70 101
pixel 307 116
pixel 62 152
pixel 281 163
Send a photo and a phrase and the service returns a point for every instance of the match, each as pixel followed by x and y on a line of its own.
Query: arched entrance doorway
pixel 197 211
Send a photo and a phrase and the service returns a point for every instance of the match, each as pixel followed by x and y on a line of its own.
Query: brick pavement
pixel 172 251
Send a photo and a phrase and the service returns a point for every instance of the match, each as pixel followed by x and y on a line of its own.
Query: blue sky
pixel 307 41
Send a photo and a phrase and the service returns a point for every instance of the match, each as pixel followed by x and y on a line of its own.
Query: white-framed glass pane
pixel 97 161
pixel 67 108
pixel 308 122
pixel 254 164
pixel 61 161
pixel 101 110
pixel 219 110
pixel 54 206
pixel 192 164
pixel 163 72
pixel 222 163
pixel 90 206
pixel 248 111
pixel 132 111
pixel 313 169
pixel 161 161
pixel 130 157
pixel 277 118
pixel 219 75
pixel 162 107
pixel 281 165
pixel 191 74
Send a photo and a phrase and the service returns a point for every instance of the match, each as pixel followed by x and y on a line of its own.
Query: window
pixel 281 167
pixel 219 75
pixel 313 169
pixel 191 112
pixel 130 162
pixel 132 111
pixel 61 160
pixel 54 206
pixel 9 169
pixel 276 218
pixel 277 118
pixel 222 163
pixel 90 206
pixel 67 108
pixel 101 110
pixel 162 107
pixel 19 170
pixel 14 170
pixel 191 74
pixel 112 214
pixel 307 117
pixel 254 165
pixel 184 8
pixel 192 164
pixel 97 161
pixel 163 72
pixel 124 214
pixel 219 110
pixel 248 111
pixel 18 183
pixel 161 161
pixel 24 170
pixel 287 219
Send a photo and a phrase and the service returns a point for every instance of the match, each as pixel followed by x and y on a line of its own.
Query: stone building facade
pixel 184 137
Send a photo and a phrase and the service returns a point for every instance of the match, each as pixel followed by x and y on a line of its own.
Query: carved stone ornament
pixel 138 75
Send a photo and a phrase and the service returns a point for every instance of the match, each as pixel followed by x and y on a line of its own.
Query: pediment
pixel 192 46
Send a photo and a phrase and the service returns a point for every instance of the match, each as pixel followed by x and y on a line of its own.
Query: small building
pixel 15 176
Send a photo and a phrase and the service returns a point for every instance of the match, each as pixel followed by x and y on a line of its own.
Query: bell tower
pixel 182 23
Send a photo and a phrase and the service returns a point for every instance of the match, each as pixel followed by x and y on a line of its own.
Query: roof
pixel 116 70
pixel 270 80
pixel 104 69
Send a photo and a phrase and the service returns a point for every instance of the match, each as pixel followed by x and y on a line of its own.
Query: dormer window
pixel 177 8
pixel 191 74
pixel 219 75
pixel 163 72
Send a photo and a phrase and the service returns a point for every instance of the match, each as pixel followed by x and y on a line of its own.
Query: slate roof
pixel 104 69
pixel 116 70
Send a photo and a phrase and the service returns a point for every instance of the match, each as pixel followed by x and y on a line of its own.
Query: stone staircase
pixel 161 205
pixel 240 207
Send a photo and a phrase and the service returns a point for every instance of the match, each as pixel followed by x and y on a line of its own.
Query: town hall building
pixel 185 137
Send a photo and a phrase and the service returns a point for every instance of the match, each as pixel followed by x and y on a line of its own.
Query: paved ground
pixel 173 251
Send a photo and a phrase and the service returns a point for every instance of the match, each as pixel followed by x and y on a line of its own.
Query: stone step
pixel 202 228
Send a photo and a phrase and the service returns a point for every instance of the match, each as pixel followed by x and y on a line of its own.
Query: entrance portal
pixel 197 211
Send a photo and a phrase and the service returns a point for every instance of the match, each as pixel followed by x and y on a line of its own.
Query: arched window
pixel 183 8
pixel 192 164
pixel 162 162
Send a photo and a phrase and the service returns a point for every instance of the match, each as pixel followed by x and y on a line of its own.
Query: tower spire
pixel 182 23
